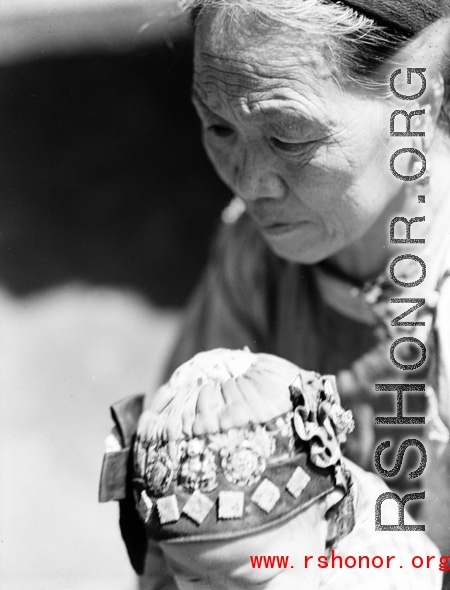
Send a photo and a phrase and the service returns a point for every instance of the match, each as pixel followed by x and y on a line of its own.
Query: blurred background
pixel 107 206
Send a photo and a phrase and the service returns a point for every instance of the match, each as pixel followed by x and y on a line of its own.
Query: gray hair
pixel 358 45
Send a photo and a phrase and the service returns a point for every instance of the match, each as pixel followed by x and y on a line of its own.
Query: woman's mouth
pixel 279 229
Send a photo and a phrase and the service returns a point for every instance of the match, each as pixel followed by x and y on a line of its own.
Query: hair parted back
pixel 358 45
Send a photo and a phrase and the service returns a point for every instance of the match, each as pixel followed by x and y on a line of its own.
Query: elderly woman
pixel 297 115
pixel 238 457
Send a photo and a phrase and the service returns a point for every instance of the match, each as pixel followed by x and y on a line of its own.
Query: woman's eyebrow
pixel 277 122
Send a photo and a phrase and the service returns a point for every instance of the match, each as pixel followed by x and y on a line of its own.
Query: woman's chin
pixel 301 257
pixel 299 248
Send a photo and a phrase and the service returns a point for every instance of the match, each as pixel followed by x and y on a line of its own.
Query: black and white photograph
pixel 224 294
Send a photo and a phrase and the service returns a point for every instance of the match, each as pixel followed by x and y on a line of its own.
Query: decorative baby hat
pixel 236 443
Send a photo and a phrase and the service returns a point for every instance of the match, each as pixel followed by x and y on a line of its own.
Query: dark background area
pixel 103 175
pixel 103 183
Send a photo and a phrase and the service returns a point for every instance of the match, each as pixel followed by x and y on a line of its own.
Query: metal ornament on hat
pixel 198 470
pixel 229 469
pixel 159 471
pixel 241 454
pixel 320 421
pixel 319 418
pixel 244 464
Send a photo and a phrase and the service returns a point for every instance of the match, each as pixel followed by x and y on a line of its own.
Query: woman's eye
pixel 288 146
pixel 220 130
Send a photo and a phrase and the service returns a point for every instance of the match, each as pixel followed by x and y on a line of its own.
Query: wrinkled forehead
pixel 242 45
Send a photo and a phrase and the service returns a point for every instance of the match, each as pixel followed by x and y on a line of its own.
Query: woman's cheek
pixel 221 159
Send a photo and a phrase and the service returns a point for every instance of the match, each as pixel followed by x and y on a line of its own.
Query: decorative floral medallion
pixel 159 472
pixel 198 469
pixel 244 464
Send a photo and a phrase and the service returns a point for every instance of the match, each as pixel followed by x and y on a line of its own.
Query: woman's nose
pixel 256 176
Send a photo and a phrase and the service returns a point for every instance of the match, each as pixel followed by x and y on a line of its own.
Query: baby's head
pixel 238 455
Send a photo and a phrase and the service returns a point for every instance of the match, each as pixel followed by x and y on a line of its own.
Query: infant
pixel 231 477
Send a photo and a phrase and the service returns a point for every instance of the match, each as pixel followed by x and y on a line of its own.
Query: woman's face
pixel 309 158
pixel 227 565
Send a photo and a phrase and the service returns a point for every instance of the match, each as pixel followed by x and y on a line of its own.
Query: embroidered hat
pixel 236 443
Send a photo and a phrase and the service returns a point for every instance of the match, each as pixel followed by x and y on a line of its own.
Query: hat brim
pixel 253 519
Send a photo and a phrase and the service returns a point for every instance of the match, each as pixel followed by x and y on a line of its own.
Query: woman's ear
pixel 434 99
pixel 430 103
